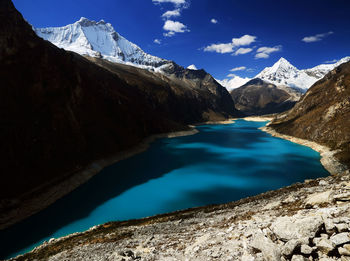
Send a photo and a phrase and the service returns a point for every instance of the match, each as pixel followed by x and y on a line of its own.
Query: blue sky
pixel 305 32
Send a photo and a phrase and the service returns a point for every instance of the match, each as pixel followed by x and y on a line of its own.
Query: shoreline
pixel 328 161
pixel 51 194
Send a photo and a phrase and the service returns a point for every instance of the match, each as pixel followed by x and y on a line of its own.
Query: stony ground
pixel 309 221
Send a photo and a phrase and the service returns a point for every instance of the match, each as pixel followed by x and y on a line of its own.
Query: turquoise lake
pixel 221 163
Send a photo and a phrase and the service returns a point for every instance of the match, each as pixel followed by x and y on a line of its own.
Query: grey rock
pixel 329 225
pixel 305 249
pixel 340 239
pixel 325 246
pixel 343 251
pixel 269 250
pixel 287 228
pixel 342 227
pixel 299 258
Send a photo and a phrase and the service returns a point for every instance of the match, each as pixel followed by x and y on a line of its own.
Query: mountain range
pixel 284 73
pixel 99 39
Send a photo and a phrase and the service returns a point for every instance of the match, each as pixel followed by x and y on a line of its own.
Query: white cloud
pixel 264 52
pixel 176 2
pixel 234 82
pixel 244 40
pixel 243 51
pixel 157 41
pixel 229 47
pixel 174 27
pixel 315 38
pixel 219 48
pixel 173 13
pixel 169 34
pixel 214 21
pixel 241 68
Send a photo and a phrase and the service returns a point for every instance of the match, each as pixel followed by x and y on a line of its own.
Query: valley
pixel 155 160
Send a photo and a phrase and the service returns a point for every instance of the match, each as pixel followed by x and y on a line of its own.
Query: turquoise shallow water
pixel 220 164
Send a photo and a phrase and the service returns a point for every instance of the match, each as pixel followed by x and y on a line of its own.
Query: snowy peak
pixel 282 65
pixel 192 67
pixel 321 70
pixel 98 39
pixel 284 73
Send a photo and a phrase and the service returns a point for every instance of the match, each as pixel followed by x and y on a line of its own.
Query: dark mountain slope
pixel 323 114
pixel 59 111
pixel 258 97
pixel 183 94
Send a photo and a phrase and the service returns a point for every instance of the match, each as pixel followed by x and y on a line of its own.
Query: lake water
pixel 220 164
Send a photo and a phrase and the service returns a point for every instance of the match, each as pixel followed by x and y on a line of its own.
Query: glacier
pixel 99 39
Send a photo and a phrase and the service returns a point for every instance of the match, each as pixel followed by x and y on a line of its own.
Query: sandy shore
pixel 258 118
pixel 48 196
pixel 228 121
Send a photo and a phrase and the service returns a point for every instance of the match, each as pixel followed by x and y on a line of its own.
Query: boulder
pixel 299 258
pixel 324 245
pixel 287 228
pixel 269 250
pixel 319 198
pixel 306 250
pixel 340 238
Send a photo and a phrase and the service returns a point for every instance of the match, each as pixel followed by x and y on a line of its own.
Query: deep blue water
pixel 220 164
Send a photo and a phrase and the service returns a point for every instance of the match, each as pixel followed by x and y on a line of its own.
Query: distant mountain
pixel 192 67
pixel 284 73
pixel 258 97
pixel 234 82
pixel 98 39
pixel 323 114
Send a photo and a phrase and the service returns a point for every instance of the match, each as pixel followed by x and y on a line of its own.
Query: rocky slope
pixel 258 97
pixel 307 221
pixel 60 111
pixel 323 114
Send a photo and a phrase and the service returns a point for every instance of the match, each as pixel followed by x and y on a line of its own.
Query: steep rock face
pixel 98 39
pixel 323 114
pixel 258 97
pixel 60 111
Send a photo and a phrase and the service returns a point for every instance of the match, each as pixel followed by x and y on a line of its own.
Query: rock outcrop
pixel 323 114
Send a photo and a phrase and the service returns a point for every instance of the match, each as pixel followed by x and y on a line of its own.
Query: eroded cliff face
pixel 60 111
pixel 323 114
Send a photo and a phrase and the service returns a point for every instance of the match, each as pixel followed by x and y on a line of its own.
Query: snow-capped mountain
pixel 99 39
pixel 321 70
pixel 284 73
pixel 192 67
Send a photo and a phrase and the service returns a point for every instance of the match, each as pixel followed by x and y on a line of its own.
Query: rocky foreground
pixel 309 221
